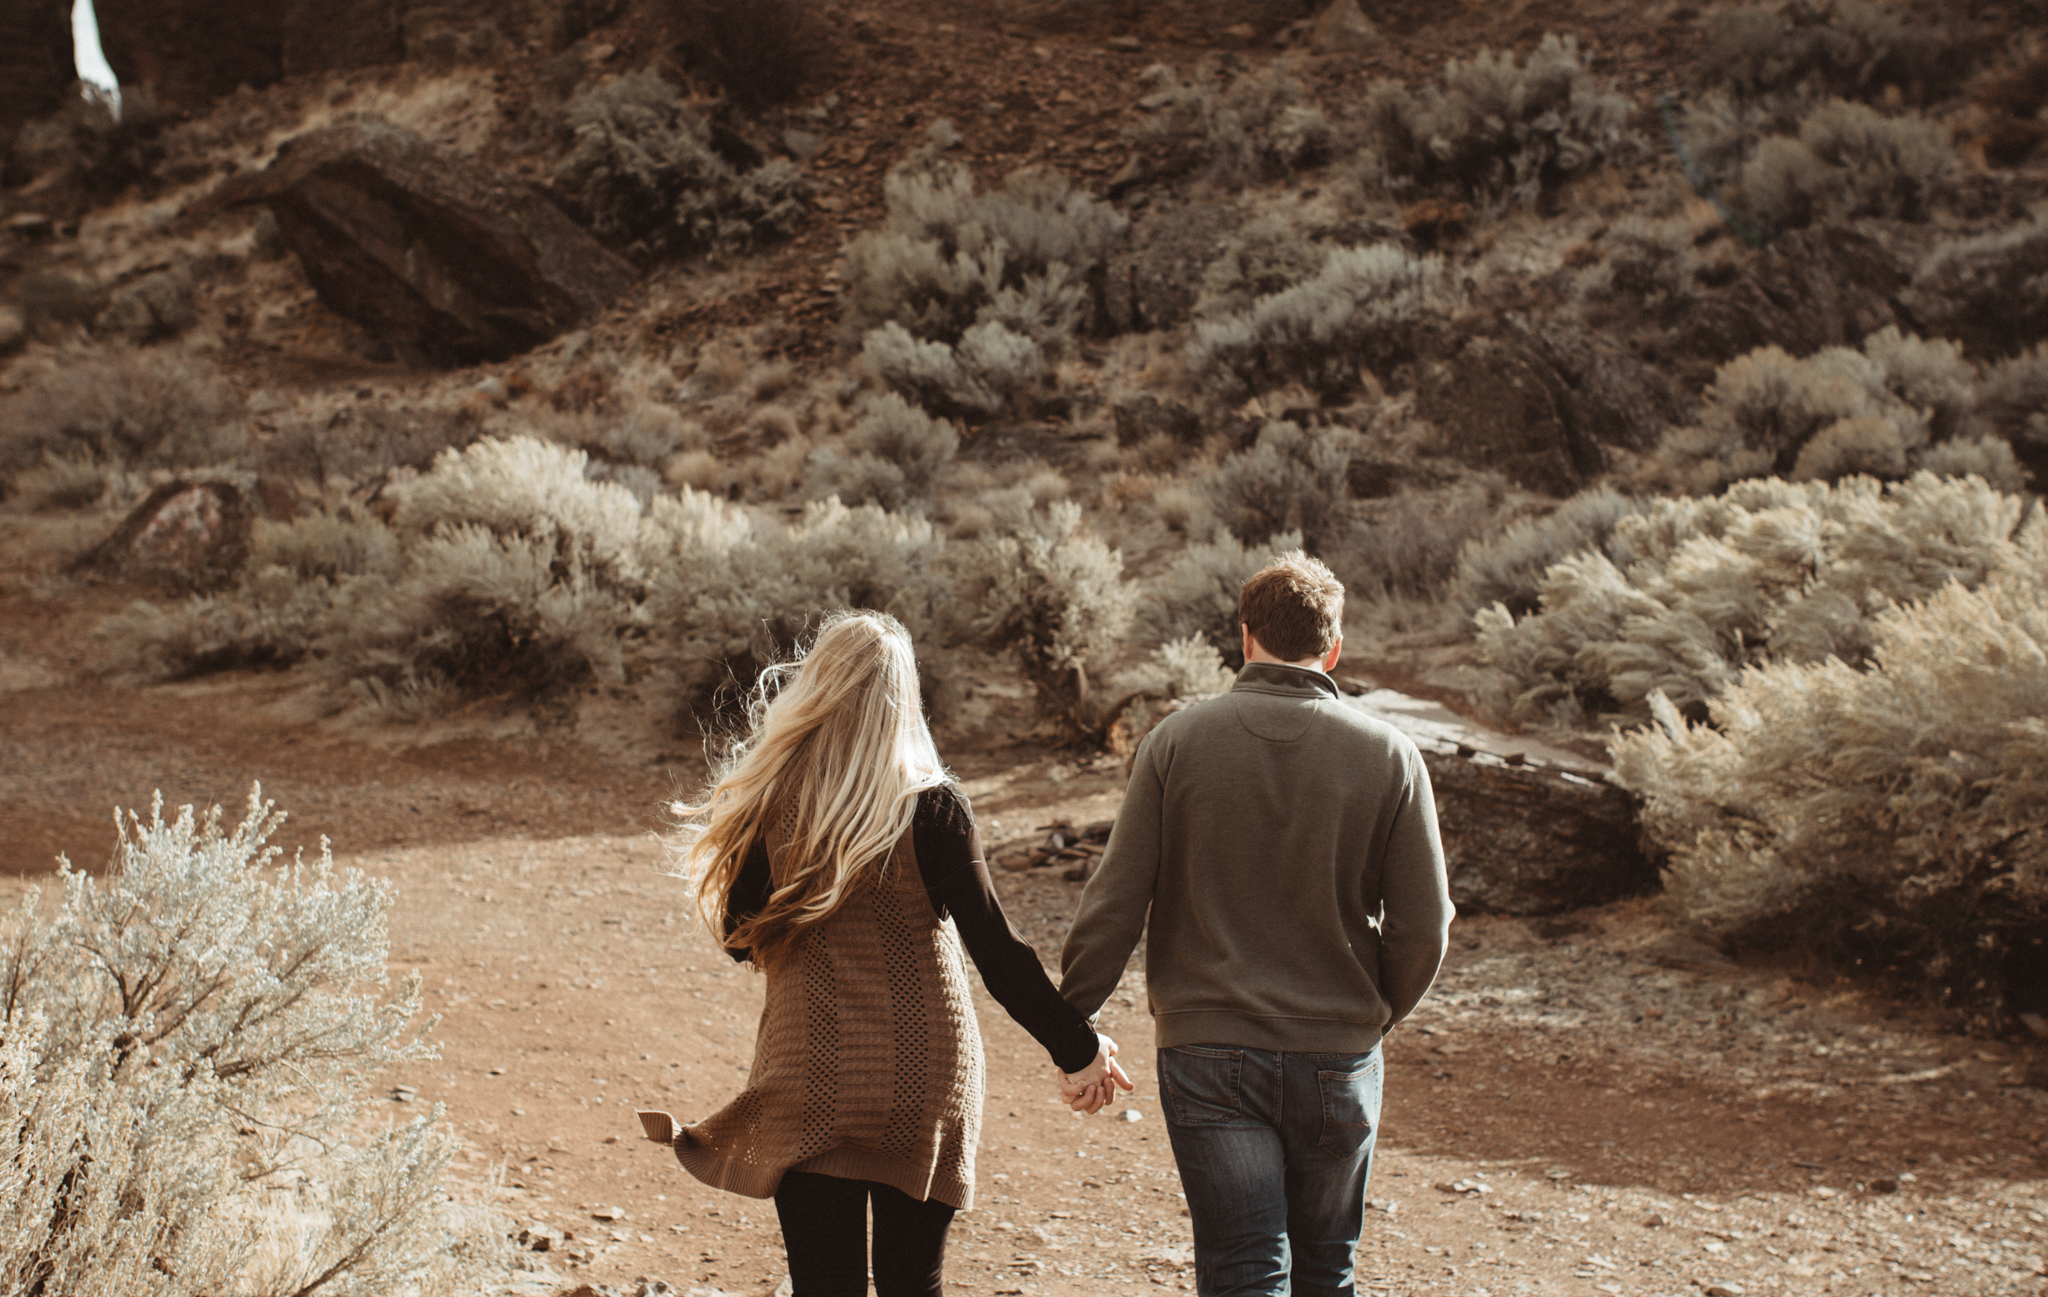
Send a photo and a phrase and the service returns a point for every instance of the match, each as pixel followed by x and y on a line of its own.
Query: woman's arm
pixel 749 894
pixel 957 880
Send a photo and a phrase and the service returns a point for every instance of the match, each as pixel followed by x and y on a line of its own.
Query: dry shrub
pixel 185 1042
pixel 1292 479
pixel 1051 595
pixel 893 455
pixel 1888 813
pixel 1882 410
pixel 961 299
pixel 643 174
pixel 1507 568
pixel 1195 598
pixel 1991 290
pixel 725 600
pixel 1847 161
pixel 1409 545
pixel 1233 131
pixel 122 406
pixel 1684 594
pixel 1848 48
pixel 1497 133
pixel 1357 311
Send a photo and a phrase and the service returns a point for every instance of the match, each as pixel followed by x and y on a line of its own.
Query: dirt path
pixel 1583 1106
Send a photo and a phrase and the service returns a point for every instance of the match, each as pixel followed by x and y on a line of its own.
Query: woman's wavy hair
pixel 836 744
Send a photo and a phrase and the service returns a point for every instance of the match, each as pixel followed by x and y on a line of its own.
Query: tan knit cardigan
pixel 868 1062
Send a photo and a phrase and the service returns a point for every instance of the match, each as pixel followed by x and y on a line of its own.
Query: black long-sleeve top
pixel 956 879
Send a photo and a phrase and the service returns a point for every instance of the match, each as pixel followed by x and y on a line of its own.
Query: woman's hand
pixel 1089 1089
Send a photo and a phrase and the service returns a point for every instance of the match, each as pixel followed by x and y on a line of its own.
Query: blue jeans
pixel 1274 1152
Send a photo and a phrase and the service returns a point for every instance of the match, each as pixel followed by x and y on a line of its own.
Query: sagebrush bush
pixel 727 600
pixel 643 174
pixel 1052 596
pixel 185 1036
pixel 1881 410
pixel 988 370
pixel 1890 811
pixel 1268 255
pixel 1187 668
pixel 1256 127
pixel 1507 568
pixel 479 614
pixel 71 481
pixel 1292 479
pixel 155 407
pixel 1353 312
pixel 1684 593
pixel 1989 289
pixel 1408 544
pixel 1851 48
pixel 961 298
pixel 1497 132
pixel 893 455
pixel 1846 161
pixel 1196 596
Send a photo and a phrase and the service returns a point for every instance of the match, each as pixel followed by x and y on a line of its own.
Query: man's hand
pixel 1091 1088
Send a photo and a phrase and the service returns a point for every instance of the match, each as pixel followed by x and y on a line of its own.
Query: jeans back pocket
pixel 1201 1084
pixel 1351 1107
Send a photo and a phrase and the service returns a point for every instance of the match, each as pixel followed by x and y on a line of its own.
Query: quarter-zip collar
pixel 1285 681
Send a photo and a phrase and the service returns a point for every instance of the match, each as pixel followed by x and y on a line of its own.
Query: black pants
pixel 825 1231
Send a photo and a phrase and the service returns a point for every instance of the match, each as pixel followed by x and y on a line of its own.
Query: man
pixel 1285 845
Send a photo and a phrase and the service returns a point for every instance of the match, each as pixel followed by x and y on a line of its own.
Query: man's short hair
pixel 1294 607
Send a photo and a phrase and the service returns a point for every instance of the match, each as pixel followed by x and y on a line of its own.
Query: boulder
pixel 446 262
pixel 184 536
pixel 1495 409
pixel 1528 828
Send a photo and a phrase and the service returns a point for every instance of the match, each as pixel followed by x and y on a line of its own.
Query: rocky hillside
pixel 1636 365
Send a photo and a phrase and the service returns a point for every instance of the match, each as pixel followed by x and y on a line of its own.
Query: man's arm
pixel 1115 902
pixel 1415 890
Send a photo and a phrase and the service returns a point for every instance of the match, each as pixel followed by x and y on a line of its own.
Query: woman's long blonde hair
pixel 838 737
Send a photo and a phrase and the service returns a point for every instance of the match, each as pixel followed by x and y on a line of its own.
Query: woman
pixel 832 851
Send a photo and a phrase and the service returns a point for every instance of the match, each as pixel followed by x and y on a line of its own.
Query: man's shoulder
pixel 1340 722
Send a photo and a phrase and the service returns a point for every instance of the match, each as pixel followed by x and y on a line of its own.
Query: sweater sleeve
pixel 750 892
pixel 1118 898
pixel 956 878
pixel 1416 897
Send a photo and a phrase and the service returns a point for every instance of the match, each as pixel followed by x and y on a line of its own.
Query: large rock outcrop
pixel 437 257
pixel 1527 828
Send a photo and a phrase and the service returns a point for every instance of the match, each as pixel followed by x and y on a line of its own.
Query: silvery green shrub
pixel 184 1039
pixel 1888 810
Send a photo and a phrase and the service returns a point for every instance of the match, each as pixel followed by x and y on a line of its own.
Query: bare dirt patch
pixel 1585 1105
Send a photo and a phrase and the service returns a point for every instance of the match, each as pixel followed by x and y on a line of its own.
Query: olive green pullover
pixel 1285 845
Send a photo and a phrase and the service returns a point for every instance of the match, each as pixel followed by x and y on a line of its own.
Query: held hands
pixel 1089 1089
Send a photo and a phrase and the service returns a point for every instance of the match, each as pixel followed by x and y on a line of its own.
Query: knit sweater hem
pixel 1251 1031
pixel 750 1180
pixel 920 1183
